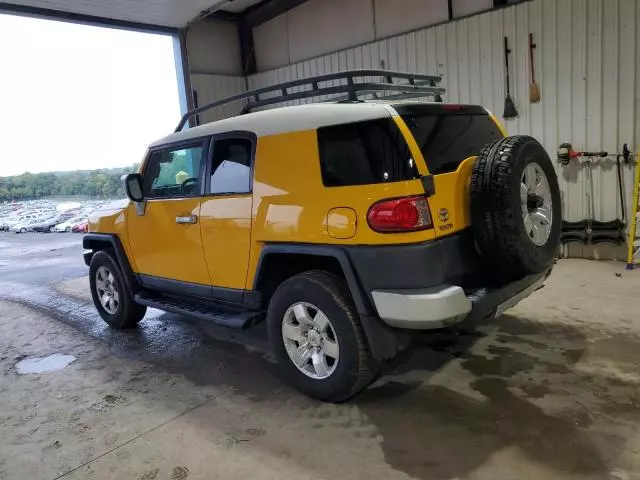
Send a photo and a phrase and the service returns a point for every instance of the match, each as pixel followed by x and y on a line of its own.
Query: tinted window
pixel 447 140
pixel 173 173
pixel 364 153
pixel 231 171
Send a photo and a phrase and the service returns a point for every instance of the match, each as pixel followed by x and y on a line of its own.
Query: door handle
pixel 189 219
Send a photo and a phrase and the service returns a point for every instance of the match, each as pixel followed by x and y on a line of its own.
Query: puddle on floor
pixel 52 363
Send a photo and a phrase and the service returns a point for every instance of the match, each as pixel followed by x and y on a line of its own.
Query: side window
pixel 231 166
pixel 173 173
pixel 364 153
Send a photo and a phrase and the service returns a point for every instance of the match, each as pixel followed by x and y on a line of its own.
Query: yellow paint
pixel 289 204
pixel 112 219
pixel 414 148
pixel 631 241
pixel 499 125
pixel 342 223
pixel 452 194
pixel 164 248
pixel 226 236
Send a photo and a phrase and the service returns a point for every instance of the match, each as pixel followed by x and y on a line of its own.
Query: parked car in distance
pixel 81 227
pixel 67 225
pixel 17 220
pixel 49 224
pixel 24 226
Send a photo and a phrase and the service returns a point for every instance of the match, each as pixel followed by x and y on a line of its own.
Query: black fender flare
pixel 383 340
pixel 101 241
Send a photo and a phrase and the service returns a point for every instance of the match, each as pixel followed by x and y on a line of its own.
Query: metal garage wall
pixel 587 66
pixel 210 88
pixel 320 26
pixel 214 47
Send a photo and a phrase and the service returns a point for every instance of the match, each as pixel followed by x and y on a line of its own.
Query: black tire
pixel 356 368
pixel 128 313
pixel 496 208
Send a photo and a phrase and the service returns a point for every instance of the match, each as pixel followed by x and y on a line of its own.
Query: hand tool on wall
pixel 534 91
pixel 509 107
pixel 592 231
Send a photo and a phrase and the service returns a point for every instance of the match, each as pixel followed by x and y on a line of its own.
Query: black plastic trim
pixel 436 109
pixel 451 260
pixel 487 301
pixel 384 341
pixel 97 242
pixel 175 286
pixel 242 134
pixel 196 290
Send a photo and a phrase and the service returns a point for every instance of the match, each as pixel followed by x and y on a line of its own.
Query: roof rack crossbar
pixel 416 85
pixel 407 91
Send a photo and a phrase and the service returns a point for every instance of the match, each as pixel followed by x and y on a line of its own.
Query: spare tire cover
pixel 516 211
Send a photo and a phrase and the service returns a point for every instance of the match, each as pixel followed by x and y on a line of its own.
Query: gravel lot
pixel 549 391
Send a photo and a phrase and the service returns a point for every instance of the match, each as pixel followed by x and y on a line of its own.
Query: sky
pixel 81 97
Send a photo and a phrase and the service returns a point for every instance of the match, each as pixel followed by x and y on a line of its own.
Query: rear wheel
pixel 515 207
pixel 111 298
pixel 316 336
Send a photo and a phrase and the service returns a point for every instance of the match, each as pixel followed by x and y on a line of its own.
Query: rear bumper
pixel 441 306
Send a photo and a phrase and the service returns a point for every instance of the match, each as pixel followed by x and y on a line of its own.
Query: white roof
pixel 286 119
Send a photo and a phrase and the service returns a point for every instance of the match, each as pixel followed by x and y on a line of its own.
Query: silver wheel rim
pixel 310 340
pixel 537 206
pixel 106 289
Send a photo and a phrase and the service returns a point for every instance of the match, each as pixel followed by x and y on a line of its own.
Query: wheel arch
pixel 279 262
pixel 95 242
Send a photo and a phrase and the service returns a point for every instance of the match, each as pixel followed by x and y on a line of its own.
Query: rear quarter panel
pixel 291 204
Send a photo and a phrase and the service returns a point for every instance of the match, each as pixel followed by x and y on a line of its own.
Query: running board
pixel 220 315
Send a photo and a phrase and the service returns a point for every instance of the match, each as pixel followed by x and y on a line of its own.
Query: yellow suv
pixel 345 225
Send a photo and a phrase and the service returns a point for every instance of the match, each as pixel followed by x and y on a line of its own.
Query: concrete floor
pixel 549 391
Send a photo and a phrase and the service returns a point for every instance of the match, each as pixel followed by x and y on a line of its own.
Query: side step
pixel 219 314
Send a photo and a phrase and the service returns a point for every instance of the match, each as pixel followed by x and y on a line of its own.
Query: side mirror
pixel 132 183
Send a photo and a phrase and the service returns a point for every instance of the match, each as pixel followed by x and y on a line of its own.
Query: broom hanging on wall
pixel 534 91
pixel 509 108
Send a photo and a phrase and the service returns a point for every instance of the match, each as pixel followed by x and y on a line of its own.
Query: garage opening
pixel 78 98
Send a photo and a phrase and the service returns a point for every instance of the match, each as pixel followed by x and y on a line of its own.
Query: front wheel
pixel 317 338
pixel 110 296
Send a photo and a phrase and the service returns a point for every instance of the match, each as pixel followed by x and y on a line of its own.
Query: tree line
pixel 91 183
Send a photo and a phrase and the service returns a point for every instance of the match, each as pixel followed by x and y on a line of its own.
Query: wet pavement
pixel 548 391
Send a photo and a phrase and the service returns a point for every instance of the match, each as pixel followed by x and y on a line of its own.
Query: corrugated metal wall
pixel 587 66
pixel 210 88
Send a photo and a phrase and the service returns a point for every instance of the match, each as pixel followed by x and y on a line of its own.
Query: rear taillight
pixel 400 215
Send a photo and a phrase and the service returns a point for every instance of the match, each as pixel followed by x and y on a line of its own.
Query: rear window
pixel 364 153
pixel 447 139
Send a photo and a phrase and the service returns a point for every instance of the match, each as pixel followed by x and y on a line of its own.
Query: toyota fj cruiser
pixel 346 226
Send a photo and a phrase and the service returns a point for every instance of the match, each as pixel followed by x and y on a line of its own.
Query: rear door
pixel 450 137
pixel 226 213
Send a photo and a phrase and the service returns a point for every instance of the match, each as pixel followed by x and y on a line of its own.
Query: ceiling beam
pixel 268 9
pixel 71 17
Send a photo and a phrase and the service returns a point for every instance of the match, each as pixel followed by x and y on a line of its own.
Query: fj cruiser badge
pixel 444 214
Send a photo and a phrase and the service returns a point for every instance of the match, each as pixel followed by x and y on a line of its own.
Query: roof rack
pixel 412 85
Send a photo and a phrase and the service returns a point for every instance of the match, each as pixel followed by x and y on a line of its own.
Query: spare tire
pixel 516 211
